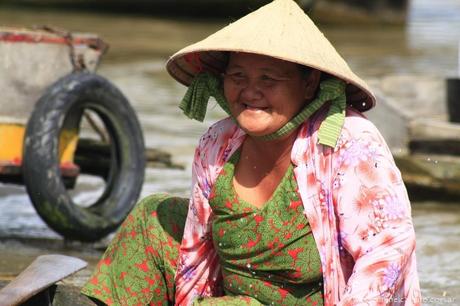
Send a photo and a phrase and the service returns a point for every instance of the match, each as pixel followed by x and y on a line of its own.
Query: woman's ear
pixel 312 83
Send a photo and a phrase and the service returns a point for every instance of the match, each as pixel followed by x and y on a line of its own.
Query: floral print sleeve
pixel 374 220
pixel 198 272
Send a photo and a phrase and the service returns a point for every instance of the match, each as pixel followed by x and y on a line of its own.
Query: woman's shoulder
pixel 357 121
pixel 359 135
pixel 356 125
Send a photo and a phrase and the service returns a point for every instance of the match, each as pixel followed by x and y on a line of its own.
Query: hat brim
pixel 184 66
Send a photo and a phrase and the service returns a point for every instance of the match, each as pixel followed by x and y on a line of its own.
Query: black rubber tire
pixel 62 105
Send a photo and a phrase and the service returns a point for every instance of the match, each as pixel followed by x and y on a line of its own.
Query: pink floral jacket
pixel 354 199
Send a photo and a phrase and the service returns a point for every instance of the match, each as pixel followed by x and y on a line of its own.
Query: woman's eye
pixel 236 77
pixel 268 80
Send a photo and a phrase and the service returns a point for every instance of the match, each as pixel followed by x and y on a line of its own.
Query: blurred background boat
pixel 336 11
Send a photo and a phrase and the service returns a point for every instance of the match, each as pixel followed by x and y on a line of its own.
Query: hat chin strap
pixel 205 85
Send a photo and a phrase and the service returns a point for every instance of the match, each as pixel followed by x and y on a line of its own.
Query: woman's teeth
pixel 254 107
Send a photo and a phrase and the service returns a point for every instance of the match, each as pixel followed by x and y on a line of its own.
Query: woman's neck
pixel 272 149
pixel 261 166
pixel 269 155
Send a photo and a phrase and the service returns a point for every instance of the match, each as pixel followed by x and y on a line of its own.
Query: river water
pixel 427 45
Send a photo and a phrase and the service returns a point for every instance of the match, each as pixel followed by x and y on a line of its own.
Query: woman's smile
pixel 255 108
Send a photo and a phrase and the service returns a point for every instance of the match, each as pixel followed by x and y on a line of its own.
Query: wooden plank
pixel 430 129
pixel 42 273
pixel 93 157
pixel 436 146
pixel 430 176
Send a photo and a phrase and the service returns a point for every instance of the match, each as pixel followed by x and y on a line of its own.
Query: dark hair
pixel 304 70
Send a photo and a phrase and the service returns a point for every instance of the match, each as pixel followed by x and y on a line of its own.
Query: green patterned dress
pixel 268 255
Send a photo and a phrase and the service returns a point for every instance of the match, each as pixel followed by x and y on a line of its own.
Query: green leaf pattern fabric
pixel 267 253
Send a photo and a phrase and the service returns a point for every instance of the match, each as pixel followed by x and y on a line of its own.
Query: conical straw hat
pixel 279 29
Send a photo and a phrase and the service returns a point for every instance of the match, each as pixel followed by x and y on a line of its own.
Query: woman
pixel 295 197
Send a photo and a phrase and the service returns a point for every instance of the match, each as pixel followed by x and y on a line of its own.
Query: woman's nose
pixel 251 90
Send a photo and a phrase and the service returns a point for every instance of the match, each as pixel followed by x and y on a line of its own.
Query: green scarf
pixel 205 85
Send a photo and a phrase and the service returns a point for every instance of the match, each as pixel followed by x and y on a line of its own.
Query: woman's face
pixel 264 93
